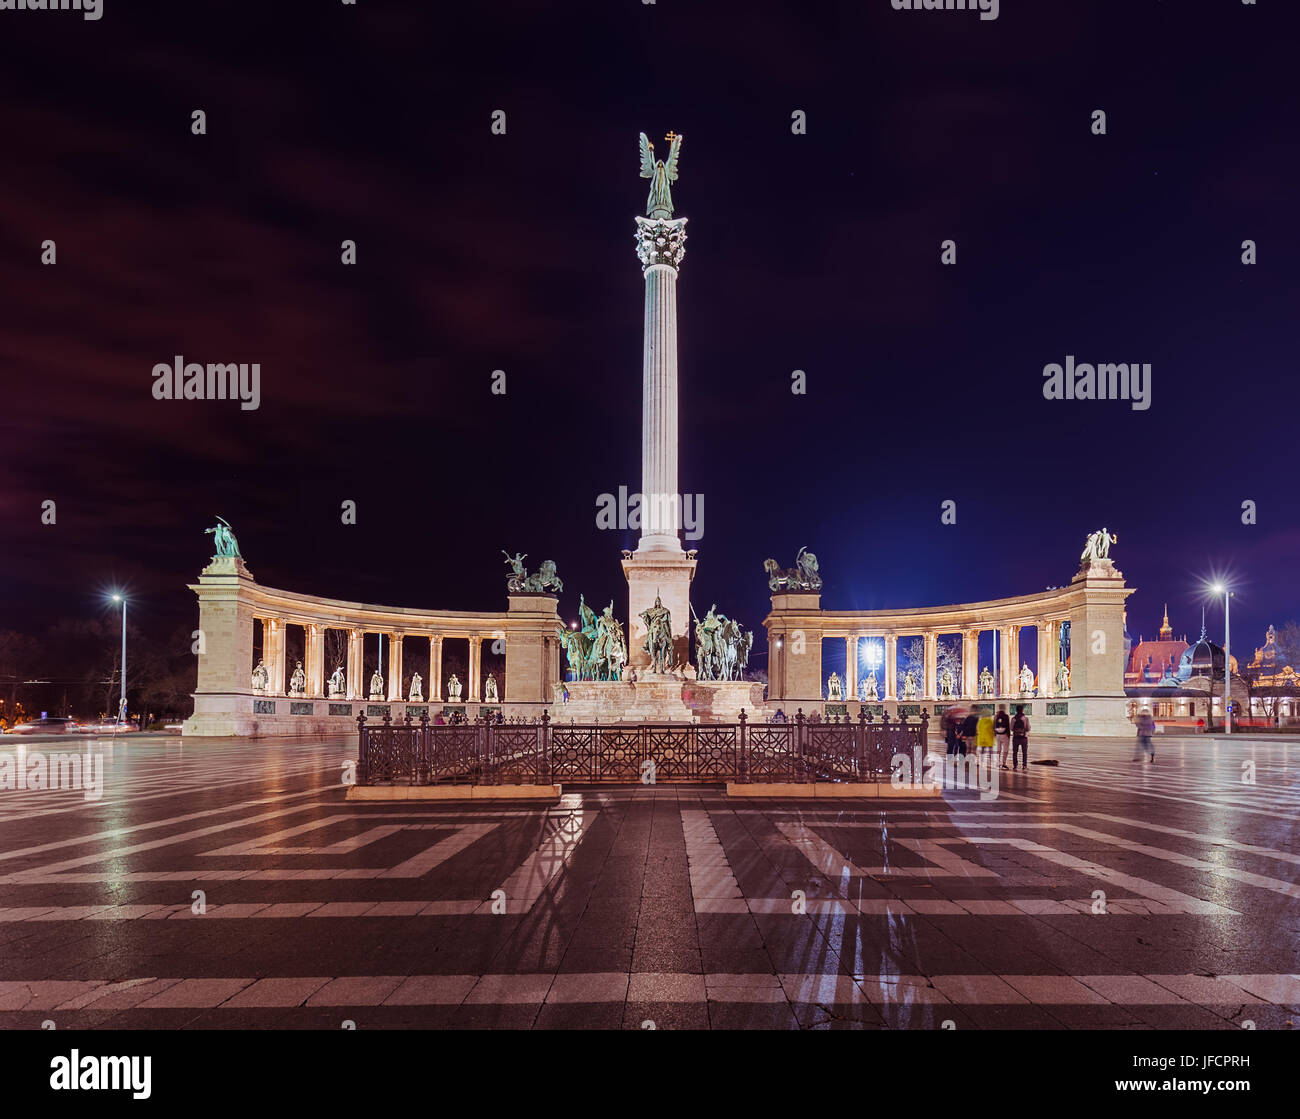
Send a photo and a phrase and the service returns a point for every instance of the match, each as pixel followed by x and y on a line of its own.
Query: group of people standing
pixel 966 732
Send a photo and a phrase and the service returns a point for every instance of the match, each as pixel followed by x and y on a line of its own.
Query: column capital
pixel 660 241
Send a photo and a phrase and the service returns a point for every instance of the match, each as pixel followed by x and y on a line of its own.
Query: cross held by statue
pixel 671 136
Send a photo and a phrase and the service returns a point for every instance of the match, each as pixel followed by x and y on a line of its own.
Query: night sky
pixel 818 252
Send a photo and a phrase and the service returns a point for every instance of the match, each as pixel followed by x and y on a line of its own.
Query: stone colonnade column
pixel 475 669
pixel 435 668
pixel 930 685
pixel 851 665
pixel 275 626
pixel 395 668
pixel 970 653
pixel 1013 657
pixel 315 660
pixel 1046 659
pixel 891 666
pixel 356 664
pixel 1005 672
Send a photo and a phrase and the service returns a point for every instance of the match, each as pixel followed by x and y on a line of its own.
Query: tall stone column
pixel 475 669
pixel 891 666
pixel 1005 671
pixel 435 668
pixel 659 568
pixel 315 660
pixel 276 627
pixel 930 685
pixel 970 654
pixel 1046 660
pixel 355 663
pixel 395 668
pixel 851 665
pixel 1013 658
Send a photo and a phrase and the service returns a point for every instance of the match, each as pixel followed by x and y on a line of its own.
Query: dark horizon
pixel 818 252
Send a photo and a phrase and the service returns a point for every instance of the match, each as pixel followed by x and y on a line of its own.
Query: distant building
pixel 1150 662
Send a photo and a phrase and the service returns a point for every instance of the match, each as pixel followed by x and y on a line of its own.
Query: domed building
pixel 1179 682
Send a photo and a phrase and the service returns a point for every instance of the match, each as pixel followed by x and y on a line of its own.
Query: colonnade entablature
pixel 233 691
pixel 1086 665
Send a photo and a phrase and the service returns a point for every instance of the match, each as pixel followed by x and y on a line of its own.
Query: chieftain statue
pixel 721 646
pixel 223 539
pixel 544 579
pixel 660 173
pixel 804 576
pixel 1098 546
pixel 597 649
pixel 658 636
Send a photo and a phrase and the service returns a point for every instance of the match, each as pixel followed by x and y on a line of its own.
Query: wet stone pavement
pixel 228 884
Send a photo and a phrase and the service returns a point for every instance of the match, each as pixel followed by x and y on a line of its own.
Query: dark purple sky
pixel 480 252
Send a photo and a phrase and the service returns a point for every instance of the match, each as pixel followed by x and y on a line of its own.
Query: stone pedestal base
pixel 667 574
pixel 652 699
pixel 721 701
pixel 1095 715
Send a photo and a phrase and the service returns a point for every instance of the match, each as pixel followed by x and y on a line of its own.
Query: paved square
pixel 228 883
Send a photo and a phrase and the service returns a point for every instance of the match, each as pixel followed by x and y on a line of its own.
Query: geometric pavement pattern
pixel 1103 893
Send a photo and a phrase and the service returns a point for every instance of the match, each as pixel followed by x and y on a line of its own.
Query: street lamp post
pixel 121 710
pixel 1219 588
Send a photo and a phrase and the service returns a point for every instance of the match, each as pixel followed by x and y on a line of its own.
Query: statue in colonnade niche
pixel 338 683
pixel 909 685
pixel 298 681
pixel 1062 678
pixel 417 689
pixel 261 678
pixel 870 688
pixel 453 688
pixel 490 690
pixel 1026 681
pixel 376 686
pixel 986 682
pixel 834 690
pixel 946 684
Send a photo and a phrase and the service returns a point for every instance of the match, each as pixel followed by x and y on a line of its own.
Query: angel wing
pixel 647 158
pixel 670 164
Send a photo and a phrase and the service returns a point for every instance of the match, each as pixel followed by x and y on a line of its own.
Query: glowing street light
pixel 1221 588
pixel 121 711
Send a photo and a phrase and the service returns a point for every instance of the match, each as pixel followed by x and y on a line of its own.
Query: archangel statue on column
pixel 660 173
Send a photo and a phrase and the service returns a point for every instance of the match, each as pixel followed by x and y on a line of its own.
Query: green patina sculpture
pixel 660 173
pixel 223 539
pixel 658 636
pixel 721 646
pixel 597 649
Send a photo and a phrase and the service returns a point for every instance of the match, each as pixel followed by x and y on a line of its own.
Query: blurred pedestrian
pixel 1020 736
pixel 1146 727
pixel 1002 733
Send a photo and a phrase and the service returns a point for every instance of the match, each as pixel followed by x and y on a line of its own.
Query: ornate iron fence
pixel 545 752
